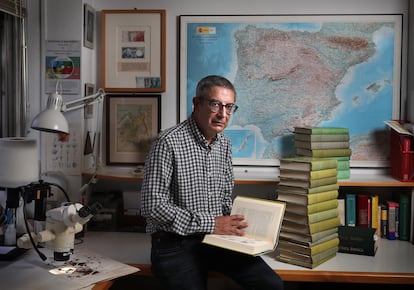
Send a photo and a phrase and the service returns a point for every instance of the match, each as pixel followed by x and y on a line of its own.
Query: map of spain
pixel 300 73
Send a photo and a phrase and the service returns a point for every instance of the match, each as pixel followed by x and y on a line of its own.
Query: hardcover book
pixel 308 261
pixel 305 163
pixel 310 248
pixel 307 209
pixel 405 215
pixel 313 228
pixel 311 238
pixel 307 198
pixel 303 190
pixel 320 153
pixel 311 218
pixel 321 137
pixel 350 209
pixel 308 175
pixel 321 144
pixel 321 130
pixel 357 240
pixel 308 183
pixel 262 235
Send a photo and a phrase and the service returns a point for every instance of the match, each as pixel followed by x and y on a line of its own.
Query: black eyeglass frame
pixel 216 106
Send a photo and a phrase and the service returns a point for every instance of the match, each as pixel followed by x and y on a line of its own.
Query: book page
pixel 264 218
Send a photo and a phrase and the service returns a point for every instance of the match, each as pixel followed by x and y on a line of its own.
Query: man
pixel 187 193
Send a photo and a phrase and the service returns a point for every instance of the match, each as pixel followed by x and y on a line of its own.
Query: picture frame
pixel 282 65
pixel 88 26
pixel 133 50
pixel 132 122
pixel 89 90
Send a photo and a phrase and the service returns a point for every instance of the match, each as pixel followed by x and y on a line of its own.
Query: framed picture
pixel 295 70
pixel 88 26
pixel 133 50
pixel 132 123
pixel 89 90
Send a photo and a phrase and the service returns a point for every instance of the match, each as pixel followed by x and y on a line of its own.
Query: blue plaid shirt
pixel 187 182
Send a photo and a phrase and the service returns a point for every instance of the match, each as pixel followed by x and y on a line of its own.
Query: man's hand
pixel 230 225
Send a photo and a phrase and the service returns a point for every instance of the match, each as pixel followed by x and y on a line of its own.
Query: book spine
pixel 322 196
pixel 350 209
pixel 321 137
pixel 323 173
pixel 322 130
pixel 392 220
pixel 321 144
pixel 362 210
pixel 320 153
pixel 374 214
pixel 322 206
pixel 324 225
pixel 368 249
pixel 404 230
pixel 384 221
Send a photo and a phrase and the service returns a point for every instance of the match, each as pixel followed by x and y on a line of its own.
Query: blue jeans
pixel 182 263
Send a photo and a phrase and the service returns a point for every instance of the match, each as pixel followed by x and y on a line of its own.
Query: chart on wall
pixel 295 70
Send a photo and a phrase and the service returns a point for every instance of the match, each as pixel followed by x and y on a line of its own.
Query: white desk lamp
pixel 52 120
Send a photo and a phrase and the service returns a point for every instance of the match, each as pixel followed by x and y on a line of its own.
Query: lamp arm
pixel 84 101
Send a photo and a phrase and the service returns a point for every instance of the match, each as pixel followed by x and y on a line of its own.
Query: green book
pixel 308 175
pixel 308 183
pixel 321 144
pixel 305 163
pixel 308 261
pixel 307 237
pixel 312 218
pixel 404 218
pixel 321 130
pixel 310 228
pixel 324 152
pixel 309 249
pixel 305 190
pixel 344 174
pixel 311 208
pixel 321 137
pixel 307 198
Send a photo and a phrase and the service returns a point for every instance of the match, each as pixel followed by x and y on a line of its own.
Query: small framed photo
pixel 89 90
pixel 132 122
pixel 88 26
pixel 133 50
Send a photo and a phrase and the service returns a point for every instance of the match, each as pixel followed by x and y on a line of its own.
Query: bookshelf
pixel 393 263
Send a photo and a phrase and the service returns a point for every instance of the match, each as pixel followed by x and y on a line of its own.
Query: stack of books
pixel 325 142
pixel 309 233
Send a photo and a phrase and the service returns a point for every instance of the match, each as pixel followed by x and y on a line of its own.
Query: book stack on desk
pixel 325 142
pixel 309 233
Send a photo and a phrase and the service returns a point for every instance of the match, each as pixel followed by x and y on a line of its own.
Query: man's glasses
pixel 216 106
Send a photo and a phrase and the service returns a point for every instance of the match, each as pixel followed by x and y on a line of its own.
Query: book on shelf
pixel 405 216
pixel 306 163
pixel 308 175
pixel 265 219
pixel 375 214
pixel 321 144
pixel 363 211
pixel 307 198
pixel 313 228
pixel 343 174
pixel 305 190
pixel 393 221
pixel 309 248
pixel 320 153
pixel 321 137
pixel 307 209
pixel 341 210
pixel 311 218
pixel 344 162
pixel 357 240
pixel 308 183
pixel 320 130
pixel 310 238
pixel 384 220
pixel 307 261
pixel 350 209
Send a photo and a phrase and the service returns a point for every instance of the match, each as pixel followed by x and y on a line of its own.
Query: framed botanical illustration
pixel 298 70
pixel 88 26
pixel 133 50
pixel 132 122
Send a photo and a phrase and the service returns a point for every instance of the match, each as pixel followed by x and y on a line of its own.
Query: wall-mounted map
pixel 317 70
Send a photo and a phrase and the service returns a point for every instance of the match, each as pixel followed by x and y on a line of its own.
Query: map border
pixel 185 99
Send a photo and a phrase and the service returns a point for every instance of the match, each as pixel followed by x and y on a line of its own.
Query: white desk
pixel 392 264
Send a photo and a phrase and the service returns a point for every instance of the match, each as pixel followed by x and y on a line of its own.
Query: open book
pixel 265 220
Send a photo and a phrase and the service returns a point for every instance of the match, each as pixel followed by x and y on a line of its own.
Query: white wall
pixel 63 20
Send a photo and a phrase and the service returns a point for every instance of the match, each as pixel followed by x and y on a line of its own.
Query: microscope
pixel 62 223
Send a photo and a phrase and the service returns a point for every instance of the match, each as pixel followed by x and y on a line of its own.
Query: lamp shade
pixel 51 119
pixel 19 162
